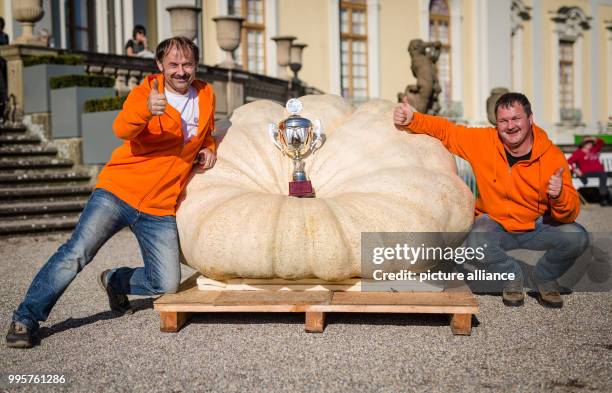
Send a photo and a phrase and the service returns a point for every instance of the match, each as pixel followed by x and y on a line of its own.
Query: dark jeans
pixel 104 216
pixel 563 244
pixel 603 182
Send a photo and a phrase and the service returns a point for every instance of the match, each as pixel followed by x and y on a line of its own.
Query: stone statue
pixel 13 115
pixel 424 95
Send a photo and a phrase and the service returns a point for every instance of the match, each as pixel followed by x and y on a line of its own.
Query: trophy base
pixel 301 189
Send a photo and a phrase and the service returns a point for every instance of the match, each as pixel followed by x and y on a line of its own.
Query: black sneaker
pixel 513 295
pixel 118 303
pixel 19 336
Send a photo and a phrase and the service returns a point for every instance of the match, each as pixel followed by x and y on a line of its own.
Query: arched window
pixel 251 53
pixel 439 30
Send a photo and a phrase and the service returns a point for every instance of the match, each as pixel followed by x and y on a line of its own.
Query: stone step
pixel 23 210
pixel 28 210
pixel 43 177
pixel 27 150
pixel 42 193
pixel 25 163
pixel 12 130
pixel 11 139
pixel 65 222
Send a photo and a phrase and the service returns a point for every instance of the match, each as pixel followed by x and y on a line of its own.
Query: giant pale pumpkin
pixel 236 219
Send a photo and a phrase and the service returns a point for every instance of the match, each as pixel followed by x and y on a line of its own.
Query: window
pixel 81 24
pixel 251 52
pixel 353 50
pixel 439 30
pixel 566 74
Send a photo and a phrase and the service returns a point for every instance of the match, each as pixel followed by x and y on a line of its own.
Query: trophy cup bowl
pixel 297 137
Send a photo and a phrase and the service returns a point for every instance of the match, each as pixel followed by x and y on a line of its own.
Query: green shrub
pixel 60 82
pixel 105 104
pixel 48 59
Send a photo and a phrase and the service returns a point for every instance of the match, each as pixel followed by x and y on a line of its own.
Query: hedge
pixel 105 104
pixel 48 59
pixel 60 82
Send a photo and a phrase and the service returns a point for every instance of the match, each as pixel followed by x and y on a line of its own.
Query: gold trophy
pixel 297 137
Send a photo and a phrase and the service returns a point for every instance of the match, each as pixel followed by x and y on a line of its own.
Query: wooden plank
pixel 190 296
pixel 265 298
pixel 461 324
pixel 315 322
pixel 172 322
pixel 390 309
pixel 403 298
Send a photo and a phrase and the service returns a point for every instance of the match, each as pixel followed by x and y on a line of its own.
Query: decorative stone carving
pixel 571 22
pixel 423 96
pixel 184 20
pixel 228 37
pixel 27 13
pixel 519 14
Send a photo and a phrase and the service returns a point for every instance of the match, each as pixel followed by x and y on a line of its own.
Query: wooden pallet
pixel 456 300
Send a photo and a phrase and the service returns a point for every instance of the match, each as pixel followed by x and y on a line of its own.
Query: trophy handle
pixel 319 137
pixel 273 132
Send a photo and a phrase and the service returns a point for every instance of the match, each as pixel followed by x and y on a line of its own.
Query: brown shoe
pixel 549 294
pixel 513 295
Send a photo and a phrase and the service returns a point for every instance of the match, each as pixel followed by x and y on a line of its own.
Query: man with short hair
pixel 166 122
pixel 526 199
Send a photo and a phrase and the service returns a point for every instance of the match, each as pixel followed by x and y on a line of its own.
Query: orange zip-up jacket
pixel 513 196
pixel 150 169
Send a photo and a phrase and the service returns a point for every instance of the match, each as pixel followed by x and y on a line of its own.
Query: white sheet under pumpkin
pixel 236 220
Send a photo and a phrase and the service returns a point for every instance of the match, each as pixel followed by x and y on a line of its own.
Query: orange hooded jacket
pixel 513 196
pixel 150 169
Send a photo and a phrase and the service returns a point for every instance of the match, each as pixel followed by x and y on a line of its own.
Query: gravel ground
pixel 529 349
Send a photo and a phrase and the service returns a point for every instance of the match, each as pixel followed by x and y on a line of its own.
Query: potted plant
pixel 68 96
pixel 99 140
pixel 36 73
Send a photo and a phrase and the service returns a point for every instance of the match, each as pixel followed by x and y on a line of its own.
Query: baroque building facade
pixel 557 52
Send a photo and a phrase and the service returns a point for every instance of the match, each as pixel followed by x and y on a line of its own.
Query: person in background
pixel 585 163
pixel 4 38
pixel 137 46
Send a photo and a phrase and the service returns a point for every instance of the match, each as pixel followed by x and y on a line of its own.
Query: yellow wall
pixel 399 23
pixel 309 22
pixel 468 59
pixel 2 10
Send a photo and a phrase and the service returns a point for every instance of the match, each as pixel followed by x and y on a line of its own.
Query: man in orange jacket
pixel 526 197
pixel 166 123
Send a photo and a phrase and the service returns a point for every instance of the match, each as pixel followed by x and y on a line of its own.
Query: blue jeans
pixel 104 216
pixel 563 244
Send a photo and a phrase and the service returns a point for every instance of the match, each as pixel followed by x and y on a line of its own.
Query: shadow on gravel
pixel 73 323
pixel 387 319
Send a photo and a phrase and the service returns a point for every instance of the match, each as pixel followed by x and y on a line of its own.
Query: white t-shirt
pixel 187 106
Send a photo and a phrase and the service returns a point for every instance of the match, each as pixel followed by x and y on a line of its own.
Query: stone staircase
pixel 39 191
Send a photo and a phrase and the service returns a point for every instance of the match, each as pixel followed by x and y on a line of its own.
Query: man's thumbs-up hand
pixel 555 184
pixel 157 101
pixel 402 114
